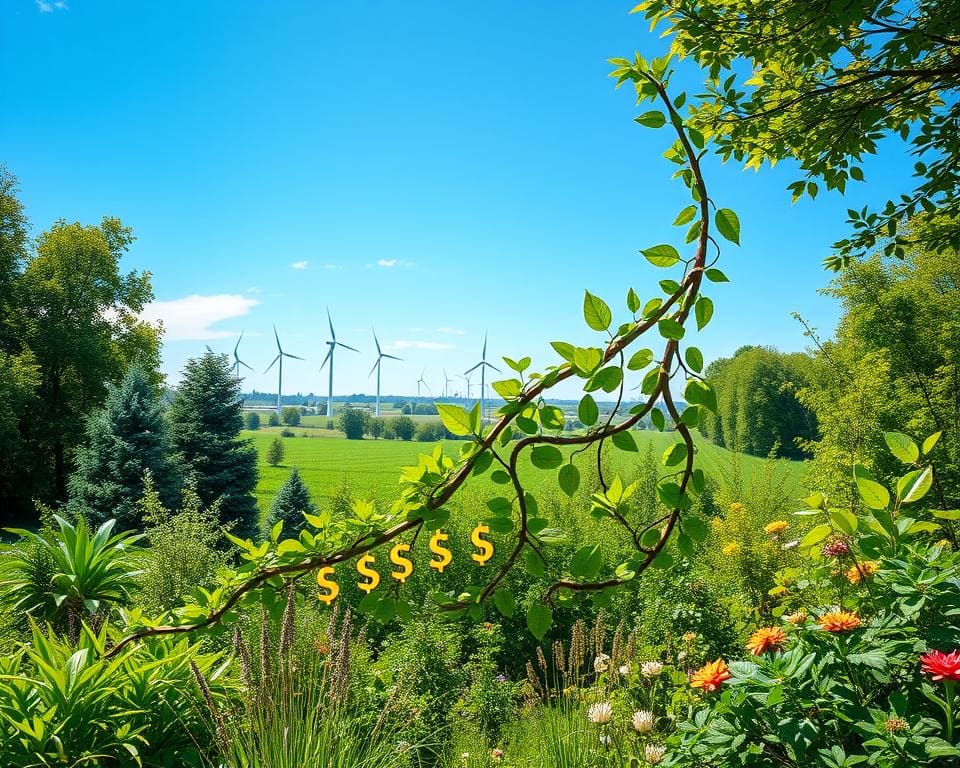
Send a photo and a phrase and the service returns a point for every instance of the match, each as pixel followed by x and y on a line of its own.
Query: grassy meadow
pixel 370 468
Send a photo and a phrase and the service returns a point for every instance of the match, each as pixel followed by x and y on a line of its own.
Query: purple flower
pixel 501 678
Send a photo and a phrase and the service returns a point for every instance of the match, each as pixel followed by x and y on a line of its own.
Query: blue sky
pixel 437 170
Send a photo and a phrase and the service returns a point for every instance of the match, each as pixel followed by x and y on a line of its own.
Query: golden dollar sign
pixel 325 583
pixel 485 547
pixel 438 549
pixel 397 558
pixel 364 570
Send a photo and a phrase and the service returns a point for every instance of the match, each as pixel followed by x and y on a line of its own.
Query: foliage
pixel 64 703
pixel 291 416
pixel 375 427
pixel 838 684
pixel 185 549
pixel 67 575
pixel 758 411
pixel 251 421
pixel 124 441
pixel 290 505
pixel 273 419
pixel 275 452
pixel 19 380
pixel 353 423
pixel 205 421
pixel 849 76
pixel 403 427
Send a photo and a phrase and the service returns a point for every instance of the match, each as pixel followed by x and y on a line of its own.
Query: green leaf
pixel 700 393
pixel 508 389
pixel 695 528
pixel 639 360
pixel 587 359
pixel 913 486
pixel 815 535
pixel 633 301
pixel 546 457
pixel 534 564
pixel 650 538
pixel 652 119
pixel 607 379
pixel 454 418
pixel 874 495
pixel 500 506
pixel 624 441
pixel 658 419
pixel 500 524
pixel 586 562
pixel 694 358
pixel 505 602
pixel 539 619
pixel 845 521
pixel 596 312
pixel 902 446
pixel 703 310
pixel 563 349
pixel 716 276
pixel 685 216
pixel 670 329
pixel 675 454
pixel 569 478
pixel 930 443
pixel 661 255
pixel 728 225
pixel 587 411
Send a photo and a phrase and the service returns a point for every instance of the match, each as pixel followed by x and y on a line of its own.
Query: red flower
pixel 941 666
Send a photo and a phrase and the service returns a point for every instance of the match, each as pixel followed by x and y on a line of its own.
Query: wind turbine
pixel 376 367
pixel 280 355
pixel 482 365
pixel 466 379
pixel 425 385
pixel 237 362
pixel 333 344
pixel 446 383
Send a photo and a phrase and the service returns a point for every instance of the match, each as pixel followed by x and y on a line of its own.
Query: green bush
pixel 290 416
pixel 353 423
pixel 275 452
pixel 403 427
pixel 273 419
pixel 251 420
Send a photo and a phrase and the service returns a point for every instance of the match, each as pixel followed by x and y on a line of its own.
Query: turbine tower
pixel 280 355
pixel 333 344
pixel 237 362
pixel 421 381
pixel 466 379
pixel 376 367
pixel 446 383
pixel 482 365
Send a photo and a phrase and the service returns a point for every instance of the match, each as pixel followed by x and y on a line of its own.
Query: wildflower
pixel 624 669
pixel 765 639
pixel 651 668
pixel 736 507
pixel 497 754
pixel 731 548
pixel 601 713
pixel 464 755
pixel 839 621
pixel 836 548
pixel 945 544
pixel 653 753
pixel 601 663
pixel 403 746
pixel 776 527
pixel 860 571
pixel 643 721
pixel 710 675
pixel 895 725
pixel 797 617
pixel 689 637
pixel 941 666
pixel 791 544
pixel 606 740
pixel 501 678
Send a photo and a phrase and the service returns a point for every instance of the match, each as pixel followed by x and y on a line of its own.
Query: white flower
pixel 403 746
pixel 643 721
pixel 464 755
pixel 651 668
pixel 606 740
pixel 601 663
pixel 625 670
pixel 653 753
pixel 601 713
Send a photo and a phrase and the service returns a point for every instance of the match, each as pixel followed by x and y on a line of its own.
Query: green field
pixel 371 468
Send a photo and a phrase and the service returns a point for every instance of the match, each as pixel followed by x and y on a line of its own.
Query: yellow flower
pixel 777 526
pixel 856 573
pixel 730 548
pixel 689 637
pixel 736 507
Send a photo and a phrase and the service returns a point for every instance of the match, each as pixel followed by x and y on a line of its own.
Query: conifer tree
pixel 124 441
pixel 291 501
pixel 206 417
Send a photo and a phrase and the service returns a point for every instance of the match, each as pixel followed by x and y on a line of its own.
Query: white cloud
pixel 191 317
pixel 388 263
pixel 299 264
pixel 407 344
pixel 333 267
pixel 253 289
pixel 47 7
pixel 452 331
pixel 44 7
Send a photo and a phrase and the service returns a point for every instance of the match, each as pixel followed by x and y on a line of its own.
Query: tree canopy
pixel 827 82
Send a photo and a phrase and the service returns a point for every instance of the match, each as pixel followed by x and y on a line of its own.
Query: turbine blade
pixel 471 370
pixel 272 364
pixel 333 335
pixel 277 337
pixel 248 367
pixel 375 366
pixel 490 365
pixel 287 354
pixel 377 342
pixel 484 346
pixel 329 353
pixel 237 345
pixel 391 357
pixel 346 346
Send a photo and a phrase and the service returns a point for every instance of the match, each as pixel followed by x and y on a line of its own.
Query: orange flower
pixel 710 675
pixel 777 526
pixel 766 638
pixel 797 617
pixel 861 571
pixel 839 621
